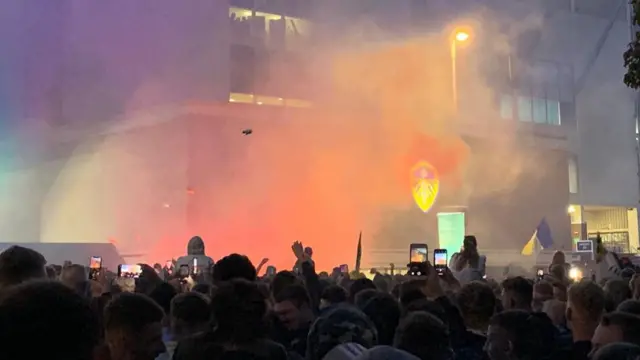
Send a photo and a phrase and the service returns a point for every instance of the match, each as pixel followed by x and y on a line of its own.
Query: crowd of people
pixel 230 311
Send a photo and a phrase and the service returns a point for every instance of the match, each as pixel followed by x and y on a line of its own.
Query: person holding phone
pixel 468 265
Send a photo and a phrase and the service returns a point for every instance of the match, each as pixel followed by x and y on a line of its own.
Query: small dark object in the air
pixel 247 131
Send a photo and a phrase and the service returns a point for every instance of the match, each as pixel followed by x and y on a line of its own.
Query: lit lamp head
pixel 575 274
pixel 462 36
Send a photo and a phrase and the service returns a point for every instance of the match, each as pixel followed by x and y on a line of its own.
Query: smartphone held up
pixel 440 260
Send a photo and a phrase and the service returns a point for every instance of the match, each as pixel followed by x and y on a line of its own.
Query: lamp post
pixel 459 36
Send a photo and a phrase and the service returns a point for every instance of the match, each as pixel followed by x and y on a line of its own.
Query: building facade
pixel 137 85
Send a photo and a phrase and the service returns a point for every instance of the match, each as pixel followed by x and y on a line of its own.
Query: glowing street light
pixel 459 36
pixel 462 36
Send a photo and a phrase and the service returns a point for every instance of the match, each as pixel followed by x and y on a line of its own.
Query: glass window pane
pixel 573 176
pixel 506 107
pixel 539 111
pixel 524 108
pixel 553 112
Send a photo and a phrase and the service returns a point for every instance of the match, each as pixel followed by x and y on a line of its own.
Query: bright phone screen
pixel 418 254
pixel 440 258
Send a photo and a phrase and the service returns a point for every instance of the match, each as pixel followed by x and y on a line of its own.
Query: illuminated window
pixel 524 108
pixel 276 29
pixel 539 110
pixel 573 175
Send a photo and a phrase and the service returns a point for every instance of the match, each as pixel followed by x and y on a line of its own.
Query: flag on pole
pixel 359 253
pixel 541 238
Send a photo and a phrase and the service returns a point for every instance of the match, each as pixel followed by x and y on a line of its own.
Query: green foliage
pixel 632 55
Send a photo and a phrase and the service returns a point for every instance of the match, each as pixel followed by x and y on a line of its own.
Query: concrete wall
pixel 607 161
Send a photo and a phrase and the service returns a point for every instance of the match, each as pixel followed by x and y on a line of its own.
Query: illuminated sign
pixel 425 185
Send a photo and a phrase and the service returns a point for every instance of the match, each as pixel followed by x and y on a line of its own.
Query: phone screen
pixel 271 270
pixel 95 262
pixel 418 253
pixel 129 271
pixel 344 268
pixel 440 259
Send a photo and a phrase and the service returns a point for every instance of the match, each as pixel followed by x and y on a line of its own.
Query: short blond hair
pixel 587 298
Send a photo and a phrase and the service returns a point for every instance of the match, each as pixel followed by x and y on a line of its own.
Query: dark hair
pixel 423 335
pixel 192 308
pixel 59 319
pixel 533 335
pixel 428 306
pixel 283 279
pixel 234 266
pixel 202 288
pixel 297 294
pixel 18 264
pixel 364 296
pixel 618 351
pixel 477 303
pixel 629 325
pixel 239 309
pixel 469 254
pixel 384 312
pixel 520 288
pixel 162 295
pixel 359 285
pixel 615 292
pixel 334 294
pixel 131 312
pixel 630 306
pixel 411 291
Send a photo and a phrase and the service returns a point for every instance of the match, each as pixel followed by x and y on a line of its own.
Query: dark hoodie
pixel 195 250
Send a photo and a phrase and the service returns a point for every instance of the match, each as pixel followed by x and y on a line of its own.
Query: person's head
pixel 423 335
pixel 618 351
pixel 282 279
pixel 359 285
pixel 411 291
pixel 234 266
pixel 363 297
pixel 477 303
pixel 558 258
pixel 517 293
pixel 202 288
pixel 542 292
pixel 630 306
pixel 293 307
pixel 585 303
pixel 195 246
pixel 520 335
pixel 46 320
pixel 162 295
pixel 190 314
pixel 332 295
pixel 615 292
pixel 19 264
pixel 428 306
pixel 616 327
pixel 340 325
pixel 239 310
pixel 75 277
pixel 384 312
pixel 133 327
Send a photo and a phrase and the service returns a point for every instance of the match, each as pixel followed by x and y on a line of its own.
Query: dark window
pixel 243 69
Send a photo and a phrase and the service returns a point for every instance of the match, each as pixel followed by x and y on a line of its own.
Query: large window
pixel 529 109
pixel 573 175
pixel 274 30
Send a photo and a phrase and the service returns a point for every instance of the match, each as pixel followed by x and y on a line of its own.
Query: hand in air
pixel 264 261
pixel 433 288
pixel 298 249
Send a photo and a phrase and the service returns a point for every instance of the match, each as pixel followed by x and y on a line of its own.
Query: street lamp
pixel 459 36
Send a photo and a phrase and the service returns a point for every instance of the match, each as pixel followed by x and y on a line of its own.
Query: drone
pixel 247 132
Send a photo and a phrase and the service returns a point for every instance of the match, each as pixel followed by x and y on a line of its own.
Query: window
pixel 524 108
pixel 506 107
pixel 553 112
pixel 539 110
pixel 573 175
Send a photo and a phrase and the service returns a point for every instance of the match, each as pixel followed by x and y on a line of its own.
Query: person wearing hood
pixel 195 259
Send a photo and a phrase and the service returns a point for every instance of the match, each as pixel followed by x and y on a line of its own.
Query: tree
pixel 632 55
